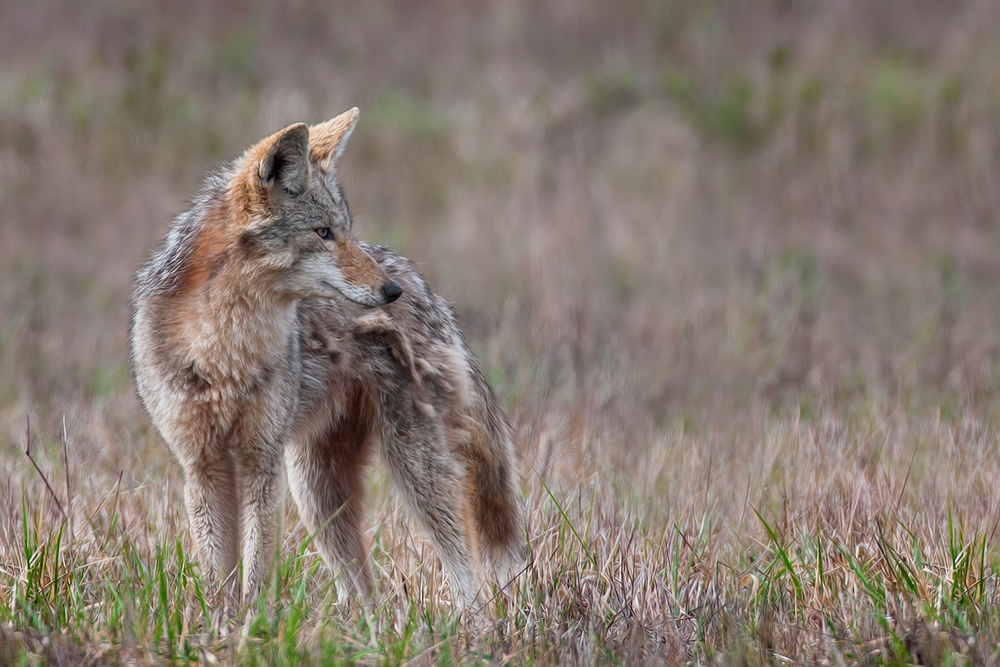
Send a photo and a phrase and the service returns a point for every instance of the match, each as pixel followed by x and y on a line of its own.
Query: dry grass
pixel 733 269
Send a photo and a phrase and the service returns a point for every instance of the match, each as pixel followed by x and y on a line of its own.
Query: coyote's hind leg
pixel 432 484
pixel 326 475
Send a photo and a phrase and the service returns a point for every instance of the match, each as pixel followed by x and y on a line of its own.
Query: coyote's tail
pixel 495 493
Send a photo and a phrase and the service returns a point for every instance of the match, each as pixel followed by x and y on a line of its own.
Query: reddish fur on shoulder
pixel 210 247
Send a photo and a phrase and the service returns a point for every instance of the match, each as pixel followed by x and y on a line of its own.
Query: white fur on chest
pixel 221 379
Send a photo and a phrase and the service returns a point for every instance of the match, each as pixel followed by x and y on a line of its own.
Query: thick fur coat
pixel 267 343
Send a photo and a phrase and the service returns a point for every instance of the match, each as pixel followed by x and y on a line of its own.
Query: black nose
pixel 391 292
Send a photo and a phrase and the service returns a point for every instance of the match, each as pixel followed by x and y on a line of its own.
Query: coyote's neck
pixel 231 333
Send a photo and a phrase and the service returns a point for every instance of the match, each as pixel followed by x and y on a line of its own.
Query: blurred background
pixel 652 217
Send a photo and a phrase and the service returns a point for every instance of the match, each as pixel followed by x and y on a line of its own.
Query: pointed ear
pixel 272 167
pixel 283 159
pixel 327 140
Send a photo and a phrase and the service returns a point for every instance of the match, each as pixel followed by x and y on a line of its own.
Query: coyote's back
pixel 265 338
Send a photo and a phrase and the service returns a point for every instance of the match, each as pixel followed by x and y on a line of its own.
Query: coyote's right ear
pixel 284 159
pixel 276 165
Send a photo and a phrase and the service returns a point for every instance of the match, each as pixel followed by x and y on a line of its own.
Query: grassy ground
pixel 733 268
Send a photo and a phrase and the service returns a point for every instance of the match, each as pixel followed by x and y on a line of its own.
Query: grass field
pixel 733 269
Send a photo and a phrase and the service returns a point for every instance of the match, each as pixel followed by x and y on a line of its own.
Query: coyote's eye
pixel 325 233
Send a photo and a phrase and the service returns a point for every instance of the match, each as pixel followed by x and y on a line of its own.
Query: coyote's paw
pixel 373 322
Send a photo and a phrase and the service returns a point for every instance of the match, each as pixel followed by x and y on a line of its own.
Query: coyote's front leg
pixel 262 477
pixel 210 498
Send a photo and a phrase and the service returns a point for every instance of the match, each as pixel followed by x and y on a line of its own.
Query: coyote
pixel 266 339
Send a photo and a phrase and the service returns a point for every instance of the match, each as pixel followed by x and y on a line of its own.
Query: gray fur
pixel 246 373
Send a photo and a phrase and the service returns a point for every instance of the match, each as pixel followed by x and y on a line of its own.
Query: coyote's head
pixel 293 221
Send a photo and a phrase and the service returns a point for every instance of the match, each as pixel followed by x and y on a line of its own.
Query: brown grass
pixel 732 267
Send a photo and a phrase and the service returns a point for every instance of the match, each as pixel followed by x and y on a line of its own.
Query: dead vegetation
pixel 732 268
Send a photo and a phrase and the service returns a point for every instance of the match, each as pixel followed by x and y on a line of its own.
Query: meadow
pixel 732 268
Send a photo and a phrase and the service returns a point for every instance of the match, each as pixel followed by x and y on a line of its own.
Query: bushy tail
pixel 494 483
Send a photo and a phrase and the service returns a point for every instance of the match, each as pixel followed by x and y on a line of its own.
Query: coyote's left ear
pixel 327 140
